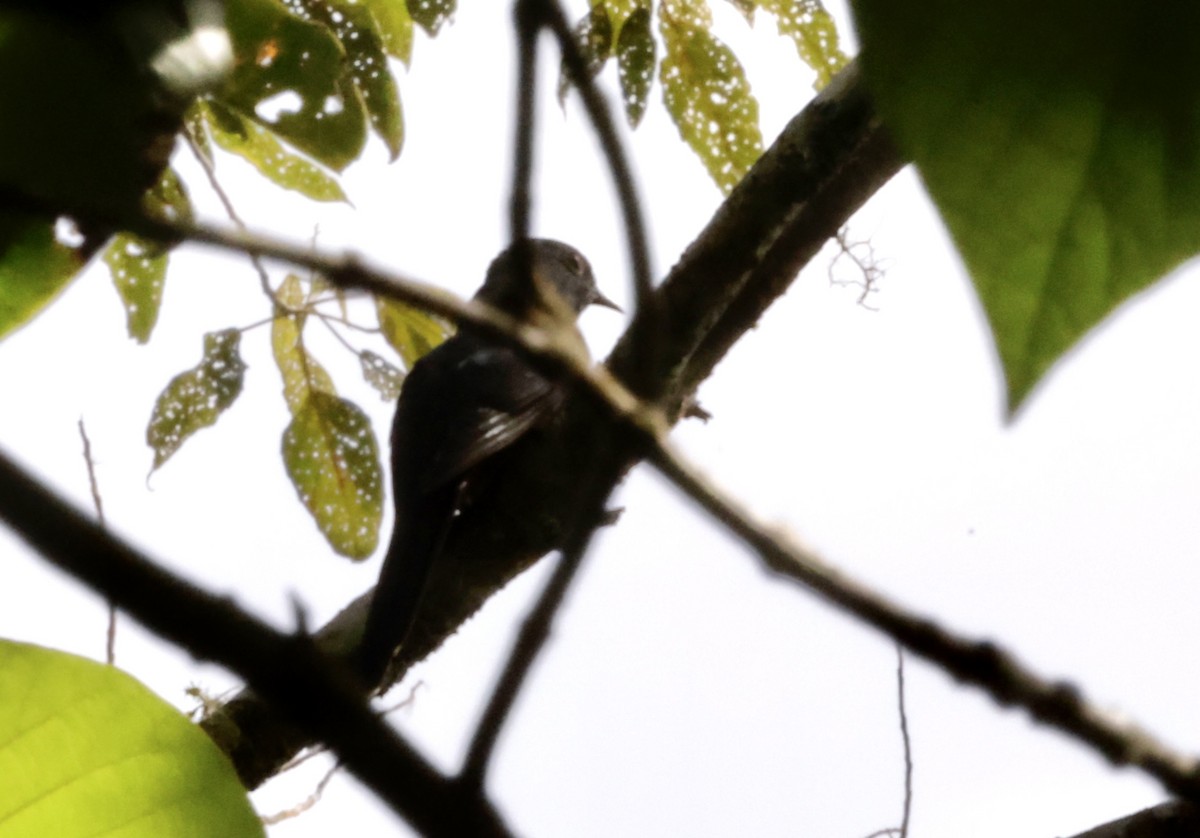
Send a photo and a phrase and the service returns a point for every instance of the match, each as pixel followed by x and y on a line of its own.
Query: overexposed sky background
pixel 684 692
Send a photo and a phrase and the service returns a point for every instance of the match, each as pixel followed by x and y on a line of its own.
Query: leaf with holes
pixel 196 399
pixel 358 32
pixel 635 63
pixel 139 269
pixel 262 149
pixel 382 375
pixel 292 76
pixel 706 93
pixel 814 33
pixel 1061 143
pixel 410 331
pixel 86 750
pixel 431 14
pixel 332 459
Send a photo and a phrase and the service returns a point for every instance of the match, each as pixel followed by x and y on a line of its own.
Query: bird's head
pixel 561 278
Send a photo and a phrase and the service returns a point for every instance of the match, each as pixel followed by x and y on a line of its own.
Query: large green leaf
pixel 195 399
pixel 706 93
pixel 34 268
pixel 85 750
pixel 593 35
pixel 1061 142
pixel 262 149
pixel 293 76
pixel 332 458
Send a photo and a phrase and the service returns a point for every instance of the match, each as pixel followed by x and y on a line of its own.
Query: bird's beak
pixel 599 299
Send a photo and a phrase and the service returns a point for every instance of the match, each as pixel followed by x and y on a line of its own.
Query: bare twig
pixel 110 633
pixel 908 762
pixel 210 173
pixel 536 629
pixel 598 111
pixel 1057 704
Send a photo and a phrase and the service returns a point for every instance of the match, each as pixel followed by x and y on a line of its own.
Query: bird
pixel 460 405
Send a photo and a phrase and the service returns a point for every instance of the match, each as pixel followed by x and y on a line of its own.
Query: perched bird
pixel 461 404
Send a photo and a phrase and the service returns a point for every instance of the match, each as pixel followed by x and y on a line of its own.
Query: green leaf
pixel 410 331
pixel 359 34
pixel 746 7
pixel 292 76
pixel 332 458
pixel 139 269
pixel 635 63
pixel 1061 143
pixel 431 14
pixel 261 148
pixel 301 372
pixel 34 268
pixel 706 93
pixel 381 374
pixel 593 35
pixel 139 266
pixel 195 399
pixel 85 750
pixel 813 32
pixel 396 26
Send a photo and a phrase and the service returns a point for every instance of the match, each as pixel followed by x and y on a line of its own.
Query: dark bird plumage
pixel 465 401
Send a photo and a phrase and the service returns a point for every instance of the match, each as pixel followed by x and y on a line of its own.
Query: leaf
pixel 139 270
pixel 593 35
pixel 814 33
pixel 85 750
pixel 292 76
pixel 359 34
pixel 34 268
pixel 195 399
pixel 382 375
pixel 706 93
pixel 300 371
pixel 431 14
pixel 635 63
pixel 168 199
pixel 1061 143
pixel 261 148
pixel 332 458
pixel 410 331
pixel 395 25
pixel 746 7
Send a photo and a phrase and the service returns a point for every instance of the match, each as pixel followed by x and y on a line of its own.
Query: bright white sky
pixel 684 692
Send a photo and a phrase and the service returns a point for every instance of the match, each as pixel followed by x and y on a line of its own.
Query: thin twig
pixel 1057 704
pixel 535 631
pixel 110 633
pixel 520 195
pixel 610 144
pixel 210 172
pixel 908 762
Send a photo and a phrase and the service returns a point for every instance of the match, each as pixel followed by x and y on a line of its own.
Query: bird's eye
pixel 576 264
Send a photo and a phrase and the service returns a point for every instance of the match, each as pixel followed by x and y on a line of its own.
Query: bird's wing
pixel 501 400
